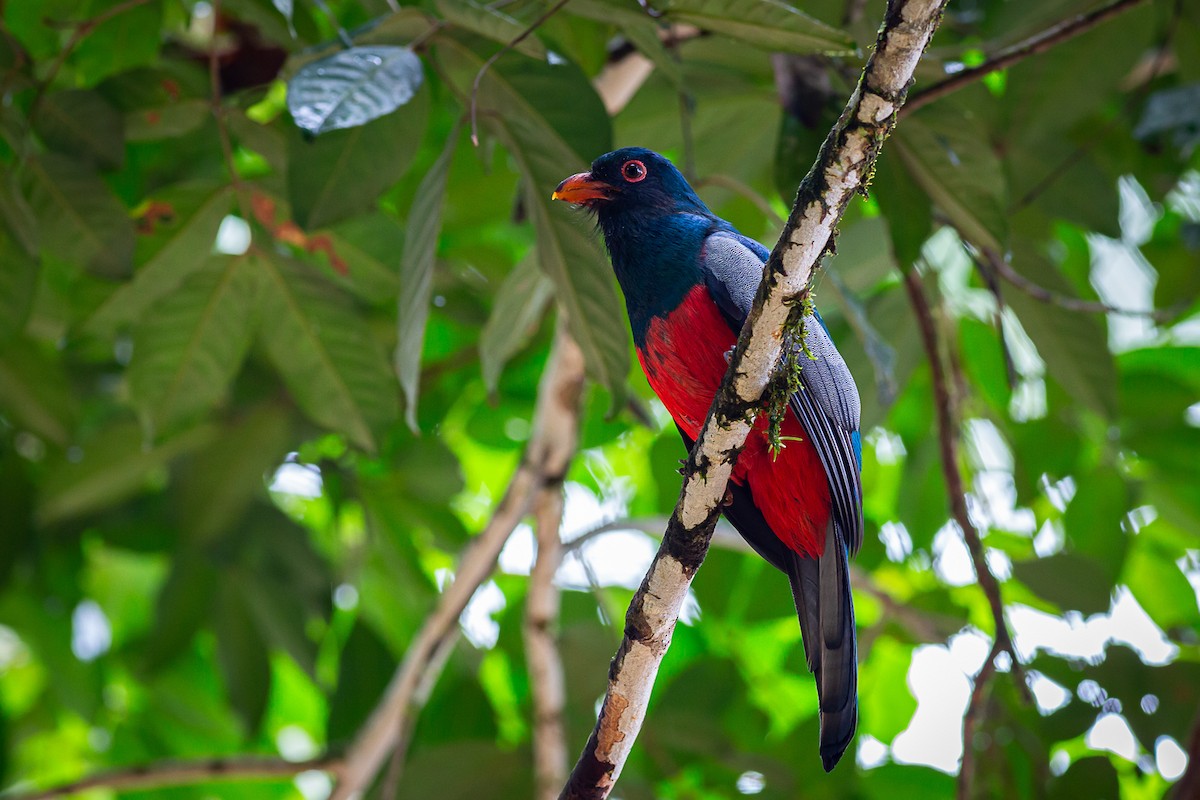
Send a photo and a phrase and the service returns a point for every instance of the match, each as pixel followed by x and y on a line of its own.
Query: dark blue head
pixel 654 225
pixel 632 180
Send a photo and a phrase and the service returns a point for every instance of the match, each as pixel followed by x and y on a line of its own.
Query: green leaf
pixel 326 354
pixel 1074 345
pixel 184 602
pixel 364 670
pixel 887 703
pixel 517 310
pixel 109 468
pixel 219 481
pixel 946 152
pixel 35 392
pixel 81 221
pixel 769 24
pixel 81 123
pixel 242 656
pixel 1093 519
pixel 18 282
pixel 176 247
pixel 353 87
pixel 416 276
pixel 548 116
pixel 129 38
pixel 342 173
pixel 1072 582
pixel 1158 583
pixel 188 348
pixel 17 215
pixel 164 122
pixel 1087 777
pixel 491 24
pixel 906 207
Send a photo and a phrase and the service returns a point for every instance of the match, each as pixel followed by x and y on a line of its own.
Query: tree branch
pixel 1039 43
pixel 543 466
pixel 948 440
pixel 966 772
pixel 176 773
pixel 541 649
pixel 843 167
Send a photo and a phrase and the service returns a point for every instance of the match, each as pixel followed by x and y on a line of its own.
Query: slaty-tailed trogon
pixel 689 279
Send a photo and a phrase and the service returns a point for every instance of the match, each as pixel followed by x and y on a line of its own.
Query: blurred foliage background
pixel 258 388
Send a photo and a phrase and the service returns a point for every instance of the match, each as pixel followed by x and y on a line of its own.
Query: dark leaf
pixel 769 24
pixel 243 657
pixel 1072 582
pixel 80 123
pixel 417 261
pixel 516 311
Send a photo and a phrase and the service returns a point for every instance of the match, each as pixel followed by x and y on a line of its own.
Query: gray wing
pixel 827 404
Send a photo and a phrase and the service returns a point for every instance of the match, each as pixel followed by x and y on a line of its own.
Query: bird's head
pixel 632 179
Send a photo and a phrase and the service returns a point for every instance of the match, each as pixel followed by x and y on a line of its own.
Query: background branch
pixel 966 772
pixel 842 168
pixel 1039 43
pixel 176 773
pixel 949 443
pixel 546 459
pixel 541 648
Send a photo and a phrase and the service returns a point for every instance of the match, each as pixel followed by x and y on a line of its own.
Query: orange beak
pixel 583 189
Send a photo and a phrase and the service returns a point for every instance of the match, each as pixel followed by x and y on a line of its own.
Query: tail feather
pixel 821 589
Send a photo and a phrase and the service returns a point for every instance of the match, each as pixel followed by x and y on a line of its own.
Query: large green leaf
pixel 363 673
pixel 946 152
pixel 416 276
pixel 516 311
pixel 1072 582
pixel 1094 519
pixel 353 87
pixel 770 24
pixel 188 348
pixel 108 468
pixel 129 37
pixel 184 602
pixel 491 23
pixel 81 221
pixel 242 656
pixel 81 123
pixel 548 116
pixel 342 173
pixel 1158 583
pixel 179 243
pixel 35 392
pixel 1074 345
pixel 327 355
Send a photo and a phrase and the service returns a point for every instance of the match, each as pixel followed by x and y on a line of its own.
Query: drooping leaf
pixel 183 603
pixel 342 173
pixel 1074 345
pixel 219 481
pixel 769 24
pixel 363 673
pixel 326 354
pixel 18 282
pixel 81 221
pixel 35 392
pixel 81 123
pixel 109 468
pixel 242 656
pixel 1093 519
pixel 516 310
pixel 548 116
pixel 945 151
pixel 1158 583
pixel 491 23
pixel 416 276
pixel 17 215
pixel 179 242
pixel 353 87
pixel 188 347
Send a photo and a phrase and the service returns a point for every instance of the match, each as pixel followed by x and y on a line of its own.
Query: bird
pixel 689 278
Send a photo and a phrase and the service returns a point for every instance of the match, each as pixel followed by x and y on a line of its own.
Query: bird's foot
pixel 729 354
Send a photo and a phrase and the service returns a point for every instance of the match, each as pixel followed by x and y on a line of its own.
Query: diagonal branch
pixel 544 464
pixel 1038 43
pixel 541 650
pixel 843 168
pixel 948 439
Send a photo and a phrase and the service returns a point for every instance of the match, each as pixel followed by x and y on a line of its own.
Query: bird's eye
pixel 633 171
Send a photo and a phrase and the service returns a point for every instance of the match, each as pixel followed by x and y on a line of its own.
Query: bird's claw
pixel 729 354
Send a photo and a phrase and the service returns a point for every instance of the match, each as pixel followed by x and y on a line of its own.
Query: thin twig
pixel 1000 266
pixel 966 772
pixel 949 443
pixel 520 37
pixel 544 464
pixel 216 103
pixel 541 649
pixel 178 773
pixel 842 168
pixel 1039 43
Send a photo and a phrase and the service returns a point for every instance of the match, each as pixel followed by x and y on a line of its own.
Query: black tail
pixel 821 589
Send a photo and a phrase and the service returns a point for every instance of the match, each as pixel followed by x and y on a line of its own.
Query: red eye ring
pixel 633 171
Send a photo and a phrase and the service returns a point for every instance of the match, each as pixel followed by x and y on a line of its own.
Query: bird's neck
pixel 656 260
